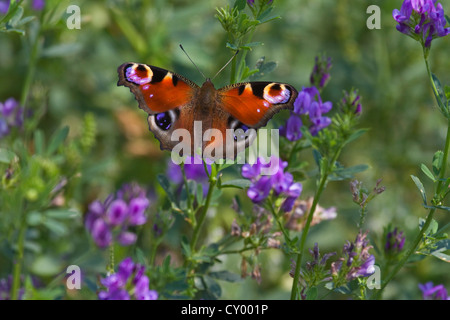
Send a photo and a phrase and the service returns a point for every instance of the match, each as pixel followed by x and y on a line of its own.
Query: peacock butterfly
pixel 174 103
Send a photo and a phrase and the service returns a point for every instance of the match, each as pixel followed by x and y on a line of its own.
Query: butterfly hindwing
pixel 255 103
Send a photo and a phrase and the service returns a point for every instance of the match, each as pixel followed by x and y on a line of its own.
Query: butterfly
pixel 188 119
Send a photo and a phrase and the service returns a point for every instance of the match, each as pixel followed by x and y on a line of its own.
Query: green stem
pixel 305 234
pixel 271 206
pixel 203 212
pixel 317 196
pixel 439 186
pixel 31 69
pixel 18 261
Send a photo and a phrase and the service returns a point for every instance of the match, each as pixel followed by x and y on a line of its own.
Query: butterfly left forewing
pixel 164 95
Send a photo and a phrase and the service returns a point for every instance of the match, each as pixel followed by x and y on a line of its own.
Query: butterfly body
pixel 181 113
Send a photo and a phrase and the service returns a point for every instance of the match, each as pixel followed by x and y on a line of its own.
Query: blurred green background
pixel 77 73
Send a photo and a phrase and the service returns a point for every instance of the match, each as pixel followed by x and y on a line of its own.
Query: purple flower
pixel 6 286
pixel 321 72
pixel 431 292
pixel 308 102
pixel 395 240
pixel 355 262
pixel 38 5
pixel 130 282
pixel 194 170
pixel 421 20
pixel 112 219
pixel 11 115
pixel 281 183
pixel 4 6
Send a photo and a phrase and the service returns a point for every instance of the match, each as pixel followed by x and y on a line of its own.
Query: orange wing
pixel 157 90
pixel 255 103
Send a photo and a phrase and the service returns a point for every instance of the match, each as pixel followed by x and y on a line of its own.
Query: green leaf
pixel 164 183
pixel 240 4
pixel 442 246
pixel 39 143
pixel 56 227
pixel 237 183
pixel 61 214
pixel 16 17
pixel 427 172
pixel 347 173
pixel 231 46
pixel 355 135
pixel 6 156
pixel 440 97
pixel 61 50
pixel 199 194
pixel 437 162
pixel 421 188
pixel 57 139
pixel 432 228
pixel 312 293
pixel 225 276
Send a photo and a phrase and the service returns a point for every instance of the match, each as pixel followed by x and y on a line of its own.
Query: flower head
pixel 281 183
pixel 129 282
pixel 38 5
pixel 321 72
pixel 296 218
pixel 194 169
pixel 432 292
pixel 308 102
pixel 5 289
pixel 422 20
pixel 111 219
pixel 395 240
pixel 356 261
pixel 11 115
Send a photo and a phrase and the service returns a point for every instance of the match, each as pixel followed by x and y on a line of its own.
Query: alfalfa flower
pixel 128 283
pixel 117 215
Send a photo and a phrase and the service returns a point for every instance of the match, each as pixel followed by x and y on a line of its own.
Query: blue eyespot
pixel 163 121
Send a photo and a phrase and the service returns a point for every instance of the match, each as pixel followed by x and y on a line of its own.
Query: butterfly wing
pixel 164 95
pixel 255 103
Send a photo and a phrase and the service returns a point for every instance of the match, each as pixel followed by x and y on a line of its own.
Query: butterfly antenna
pixel 192 61
pixel 231 59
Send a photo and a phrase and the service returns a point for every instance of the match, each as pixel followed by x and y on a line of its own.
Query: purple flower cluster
pixel 11 115
pixel 422 20
pixel 194 169
pixel 351 102
pixel 432 292
pixel 5 289
pixel 321 72
pixel 129 282
pixel 36 5
pixel 113 218
pixel 308 102
pixel 356 261
pixel 282 183
pixel 395 240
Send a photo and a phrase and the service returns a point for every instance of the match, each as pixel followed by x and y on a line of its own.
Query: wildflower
pixel 4 6
pixel 5 289
pixel 130 282
pixel 296 218
pixel 422 20
pixel 280 183
pixel 395 240
pixel 431 292
pixel 11 115
pixel 356 261
pixel 194 169
pixel 351 103
pixel 308 102
pixel 321 72
pixel 111 220
pixel 38 5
